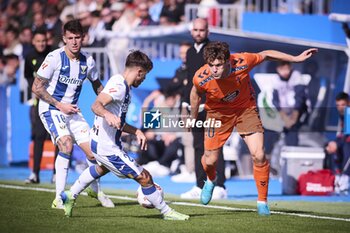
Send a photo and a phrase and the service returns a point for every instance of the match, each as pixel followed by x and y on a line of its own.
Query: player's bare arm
pixel 98 107
pixel 97 86
pixel 274 55
pixel 39 89
pixel 141 138
pixel 195 98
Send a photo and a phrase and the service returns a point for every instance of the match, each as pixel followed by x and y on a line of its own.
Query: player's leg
pixel 149 190
pixel 55 123
pixel 214 140
pixel 65 147
pixel 209 160
pixel 261 169
pixel 250 128
pixel 89 175
pixel 94 189
pixel 80 130
pixel 124 166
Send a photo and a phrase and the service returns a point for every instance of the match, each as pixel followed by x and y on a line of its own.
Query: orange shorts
pixel 247 121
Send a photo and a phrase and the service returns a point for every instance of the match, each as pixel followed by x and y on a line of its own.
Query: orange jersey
pixel 229 93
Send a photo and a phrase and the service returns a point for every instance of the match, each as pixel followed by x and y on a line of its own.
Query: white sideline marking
pixel 186 204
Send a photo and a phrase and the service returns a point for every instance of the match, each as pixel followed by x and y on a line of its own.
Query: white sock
pixel 85 178
pixel 62 166
pixel 156 199
pixel 95 185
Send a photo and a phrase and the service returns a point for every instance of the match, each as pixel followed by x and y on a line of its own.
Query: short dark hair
pixel 342 96
pixel 73 26
pixel 138 58
pixel 216 50
pixel 40 31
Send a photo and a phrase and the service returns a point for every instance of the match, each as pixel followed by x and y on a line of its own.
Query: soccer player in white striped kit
pixel 110 108
pixel 58 84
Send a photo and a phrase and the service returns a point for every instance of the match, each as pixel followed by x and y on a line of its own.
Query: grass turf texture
pixel 29 211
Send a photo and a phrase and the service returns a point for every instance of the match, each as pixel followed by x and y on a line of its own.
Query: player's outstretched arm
pixel 275 55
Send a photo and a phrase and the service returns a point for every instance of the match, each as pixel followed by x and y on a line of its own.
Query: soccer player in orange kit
pixel 230 98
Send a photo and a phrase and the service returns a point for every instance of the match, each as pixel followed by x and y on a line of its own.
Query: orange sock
pixel 209 170
pixel 261 176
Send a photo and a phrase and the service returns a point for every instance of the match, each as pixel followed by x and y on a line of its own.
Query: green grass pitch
pixel 23 210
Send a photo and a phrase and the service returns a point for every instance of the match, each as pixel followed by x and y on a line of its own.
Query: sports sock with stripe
pixel 85 178
pixel 156 199
pixel 95 185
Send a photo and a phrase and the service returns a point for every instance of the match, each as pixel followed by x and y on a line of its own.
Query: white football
pixel 143 201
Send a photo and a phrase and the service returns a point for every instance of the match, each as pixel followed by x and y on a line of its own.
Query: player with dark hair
pixel 58 84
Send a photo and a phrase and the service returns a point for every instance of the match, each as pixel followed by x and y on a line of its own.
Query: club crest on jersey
pixel 231 96
pixel 83 69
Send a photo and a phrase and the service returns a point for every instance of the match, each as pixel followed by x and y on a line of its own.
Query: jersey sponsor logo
pixel 238 68
pixel 83 69
pixel 64 67
pixel 206 80
pixel 231 96
pixel 66 80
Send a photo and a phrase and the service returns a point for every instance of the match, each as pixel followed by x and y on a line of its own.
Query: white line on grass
pixel 186 204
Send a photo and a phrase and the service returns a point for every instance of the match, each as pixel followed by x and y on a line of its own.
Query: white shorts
pixel 59 124
pixel 120 163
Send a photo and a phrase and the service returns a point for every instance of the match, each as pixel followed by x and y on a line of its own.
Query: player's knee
pixel 90 156
pixel 101 170
pixel 259 158
pixel 145 178
pixel 65 144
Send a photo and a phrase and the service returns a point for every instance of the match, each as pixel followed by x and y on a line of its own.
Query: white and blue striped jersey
pixel 104 138
pixel 65 76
